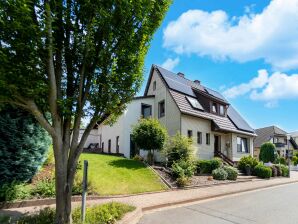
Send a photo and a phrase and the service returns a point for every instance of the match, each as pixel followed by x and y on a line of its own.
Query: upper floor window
pixel 221 110
pixel 189 133
pixel 199 137
pixel 154 85
pixel 146 110
pixel 161 109
pixel 242 145
pixel 214 108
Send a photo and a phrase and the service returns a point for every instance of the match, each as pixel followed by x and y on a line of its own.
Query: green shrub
pixel 268 152
pixel 15 191
pixel 295 160
pixel 45 216
pixel 5 219
pixel 104 214
pixel 285 170
pixel 182 181
pixel 138 158
pixel 232 172
pixel 220 174
pixel 262 171
pixel 207 166
pixel 247 161
pixel 50 157
pixel 44 188
pixel 177 148
pixel 183 168
pixel 23 145
pixel 278 170
pixel 281 160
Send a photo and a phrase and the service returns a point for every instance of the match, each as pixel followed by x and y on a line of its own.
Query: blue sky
pixel 246 49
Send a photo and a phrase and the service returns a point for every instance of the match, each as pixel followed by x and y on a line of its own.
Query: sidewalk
pixel 152 201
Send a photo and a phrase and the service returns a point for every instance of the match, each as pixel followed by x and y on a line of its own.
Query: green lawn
pixel 112 175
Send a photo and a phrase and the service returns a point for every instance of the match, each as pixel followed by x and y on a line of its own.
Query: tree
pixel 23 145
pixel 73 59
pixel 178 147
pixel 268 152
pixel 149 135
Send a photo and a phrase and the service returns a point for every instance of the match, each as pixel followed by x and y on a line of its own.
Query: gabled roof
pixel 181 88
pixel 265 134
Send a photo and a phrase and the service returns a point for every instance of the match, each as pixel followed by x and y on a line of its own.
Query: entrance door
pixel 216 144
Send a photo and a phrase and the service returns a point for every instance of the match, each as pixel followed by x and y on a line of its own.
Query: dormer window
pixel 214 108
pixel 221 110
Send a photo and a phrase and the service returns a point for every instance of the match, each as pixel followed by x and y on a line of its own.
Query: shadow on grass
pixel 128 164
pixel 7 216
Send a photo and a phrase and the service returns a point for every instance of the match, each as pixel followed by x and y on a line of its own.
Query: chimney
pixel 180 74
pixel 197 82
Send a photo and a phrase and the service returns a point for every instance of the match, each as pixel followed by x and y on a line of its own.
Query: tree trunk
pixel 64 183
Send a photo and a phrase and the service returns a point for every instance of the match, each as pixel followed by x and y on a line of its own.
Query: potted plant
pixel 248 169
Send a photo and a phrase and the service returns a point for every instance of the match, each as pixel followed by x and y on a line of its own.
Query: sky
pixel 245 49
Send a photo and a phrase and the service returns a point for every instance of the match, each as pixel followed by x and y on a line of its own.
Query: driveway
pixel 272 205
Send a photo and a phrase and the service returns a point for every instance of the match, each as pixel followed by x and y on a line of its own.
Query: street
pixel 273 205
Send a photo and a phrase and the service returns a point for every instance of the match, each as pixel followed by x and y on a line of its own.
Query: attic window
pixel 154 85
pixel 214 108
pixel 194 103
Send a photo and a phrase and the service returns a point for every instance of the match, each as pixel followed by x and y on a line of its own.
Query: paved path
pixel 151 201
pixel 273 205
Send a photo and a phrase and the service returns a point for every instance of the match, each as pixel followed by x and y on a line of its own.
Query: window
pixel 194 103
pixel 207 138
pixel 117 144
pixel 109 146
pixel 161 109
pixel 242 145
pixel 221 110
pixel 214 108
pixel 189 133
pixel 102 146
pixel 146 110
pixel 154 85
pixel 199 137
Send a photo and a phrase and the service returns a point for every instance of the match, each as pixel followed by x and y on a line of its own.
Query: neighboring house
pixel 184 106
pixel 294 135
pixel 283 142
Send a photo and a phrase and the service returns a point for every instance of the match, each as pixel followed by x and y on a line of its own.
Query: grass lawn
pixel 112 175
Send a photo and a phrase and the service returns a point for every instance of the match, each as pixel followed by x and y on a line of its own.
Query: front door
pixel 216 144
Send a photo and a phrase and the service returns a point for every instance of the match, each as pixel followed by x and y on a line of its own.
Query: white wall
pixel 92 138
pixel 237 155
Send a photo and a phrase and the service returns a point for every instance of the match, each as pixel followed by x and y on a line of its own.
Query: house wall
pixel 123 126
pixel 171 120
pixel 92 138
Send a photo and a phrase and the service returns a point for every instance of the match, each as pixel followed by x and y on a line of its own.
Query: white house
pixel 184 106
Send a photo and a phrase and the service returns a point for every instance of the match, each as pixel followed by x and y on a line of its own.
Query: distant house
pixel 283 142
pixel 183 106
pixel 294 135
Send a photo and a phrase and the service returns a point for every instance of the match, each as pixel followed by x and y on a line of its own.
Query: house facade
pixel 187 107
pixel 283 141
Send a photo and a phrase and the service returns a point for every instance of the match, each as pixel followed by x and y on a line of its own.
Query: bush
pixel 45 216
pixel 295 160
pixel 278 170
pixel 14 191
pixel 177 148
pixel 274 171
pixel 138 158
pixel 281 160
pixel 106 214
pixel 182 181
pixel 262 171
pixel 44 188
pixel 232 172
pixel 268 152
pixel 207 166
pixel 183 168
pixel 285 170
pixel 247 161
pixel 220 174
pixel 23 145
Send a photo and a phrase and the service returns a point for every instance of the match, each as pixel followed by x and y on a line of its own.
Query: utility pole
pixel 85 188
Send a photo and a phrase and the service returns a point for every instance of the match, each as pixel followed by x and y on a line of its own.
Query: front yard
pixel 111 175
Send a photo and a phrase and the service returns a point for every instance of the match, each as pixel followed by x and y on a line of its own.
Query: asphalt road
pixel 269 206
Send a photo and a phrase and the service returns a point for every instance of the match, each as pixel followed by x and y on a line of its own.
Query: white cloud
pixel 170 63
pixel 267 88
pixel 271 35
pixel 257 82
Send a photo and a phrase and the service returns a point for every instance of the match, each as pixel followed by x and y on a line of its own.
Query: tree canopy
pixel 149 134
pixel 73 59
pixel 268 152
